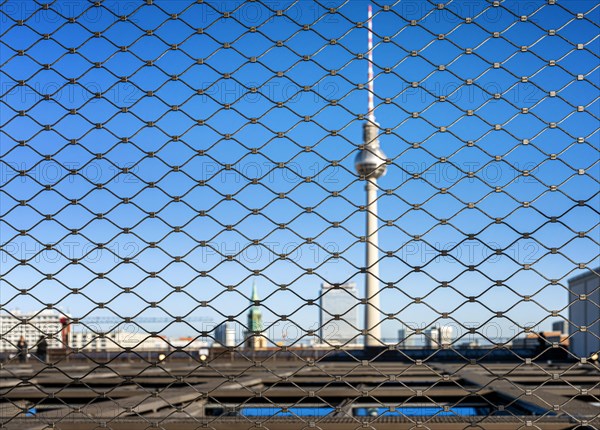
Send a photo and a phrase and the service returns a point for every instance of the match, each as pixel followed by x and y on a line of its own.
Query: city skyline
pixel 300 214
pixel 171 243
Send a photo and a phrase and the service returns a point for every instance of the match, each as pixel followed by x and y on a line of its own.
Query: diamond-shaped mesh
pixel 183 230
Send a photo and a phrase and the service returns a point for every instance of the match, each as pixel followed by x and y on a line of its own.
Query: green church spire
pixel 255 315
pixel 254 291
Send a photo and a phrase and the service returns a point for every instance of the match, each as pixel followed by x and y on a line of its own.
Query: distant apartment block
pixel 339 314
pixel 31 326
pixel 584 313
pixel 190 344
pixel 47 323
pixel 117 340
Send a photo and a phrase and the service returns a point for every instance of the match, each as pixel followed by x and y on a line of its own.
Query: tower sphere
pixel 370 161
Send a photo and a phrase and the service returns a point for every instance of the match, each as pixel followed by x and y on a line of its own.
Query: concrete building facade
pixel 584 313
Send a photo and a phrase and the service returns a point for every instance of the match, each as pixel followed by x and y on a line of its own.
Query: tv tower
pixel 370 164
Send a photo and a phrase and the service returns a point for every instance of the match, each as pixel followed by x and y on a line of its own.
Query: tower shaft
pixel 372 314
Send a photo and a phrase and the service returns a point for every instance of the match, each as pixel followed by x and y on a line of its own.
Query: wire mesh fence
pixel 299 214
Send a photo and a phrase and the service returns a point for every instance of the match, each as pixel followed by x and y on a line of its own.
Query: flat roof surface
pixel 181 394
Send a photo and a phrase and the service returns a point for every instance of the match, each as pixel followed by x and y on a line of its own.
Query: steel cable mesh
pixel 178 181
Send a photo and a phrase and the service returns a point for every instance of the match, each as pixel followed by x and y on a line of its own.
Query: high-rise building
pixel 225 334
pixel 584 313
pixel 437 337
pixel 407 338
pixel 339 314
pixel 254 336
pixel 560 326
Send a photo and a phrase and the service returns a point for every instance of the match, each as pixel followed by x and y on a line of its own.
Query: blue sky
pixel 198 127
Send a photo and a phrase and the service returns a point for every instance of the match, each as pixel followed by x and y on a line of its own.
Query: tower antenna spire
pixel 371 83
